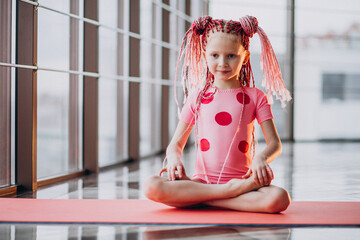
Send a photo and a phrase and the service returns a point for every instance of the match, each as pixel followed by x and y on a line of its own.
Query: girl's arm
pixel 260 167
pixel 273 144
pixel 175 149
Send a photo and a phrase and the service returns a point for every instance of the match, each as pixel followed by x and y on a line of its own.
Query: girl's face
pixel 225 56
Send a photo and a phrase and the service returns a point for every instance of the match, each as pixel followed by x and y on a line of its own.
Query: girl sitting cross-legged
pixel 221 106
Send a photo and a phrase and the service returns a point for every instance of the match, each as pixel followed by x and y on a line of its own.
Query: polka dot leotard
pixel 217 123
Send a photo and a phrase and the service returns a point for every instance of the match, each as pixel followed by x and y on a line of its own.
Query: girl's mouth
pixel 223 71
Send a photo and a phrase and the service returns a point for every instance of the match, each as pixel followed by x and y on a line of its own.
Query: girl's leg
pixel 270 199
pixel 182 193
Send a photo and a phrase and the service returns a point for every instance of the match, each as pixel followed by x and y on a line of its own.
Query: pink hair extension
pixel 194 70
pixel 272 81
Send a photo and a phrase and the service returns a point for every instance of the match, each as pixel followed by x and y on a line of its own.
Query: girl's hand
pixel 261 171
pixel 172 168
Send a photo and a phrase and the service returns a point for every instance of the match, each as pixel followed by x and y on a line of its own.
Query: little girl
pixel 222 106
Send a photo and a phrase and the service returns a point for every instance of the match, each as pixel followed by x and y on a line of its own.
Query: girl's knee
pixel 279 201
pixel 153 188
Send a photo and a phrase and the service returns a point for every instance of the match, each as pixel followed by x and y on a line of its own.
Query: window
pixel 333 86
pixel 341 87
pixel 150 68
pixel 59 94
pixel 112 90
pixel 352 87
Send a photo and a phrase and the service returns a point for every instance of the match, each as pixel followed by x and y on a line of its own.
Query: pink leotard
pixel 217 123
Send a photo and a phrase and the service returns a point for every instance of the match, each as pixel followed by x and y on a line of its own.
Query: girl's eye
pixel 214 55
pixel 231 55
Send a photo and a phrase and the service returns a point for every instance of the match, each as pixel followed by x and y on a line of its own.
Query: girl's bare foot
pixel 235 186
pixel 239 186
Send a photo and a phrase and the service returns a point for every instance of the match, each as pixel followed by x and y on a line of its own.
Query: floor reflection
pixel 303 169
pixel 138 232
pixel 309 171
pixel 127 232
pixel 153 233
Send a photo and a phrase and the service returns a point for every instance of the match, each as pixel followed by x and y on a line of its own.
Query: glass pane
pixel 108 12
pixel 75 122
pixel 59 128
pixel 107 97
pixel 150 120
pixel 110 142
pixel 5 129
pixel 150 94
pixel 53 42
pixel 5 94
pixel 52 124
pixel 59 107
pixel 174 32
pixel 112 92
pixel 76 87
pixel 62 6
pixel 327 76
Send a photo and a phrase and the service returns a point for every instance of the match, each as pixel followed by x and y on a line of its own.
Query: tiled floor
pixel 309 171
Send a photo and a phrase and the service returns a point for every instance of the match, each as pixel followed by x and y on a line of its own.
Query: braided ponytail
pixel 194 69
pixel 272 81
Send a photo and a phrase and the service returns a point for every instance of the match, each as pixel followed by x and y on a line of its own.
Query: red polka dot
pixel 207 99
pixel 223 118
pixel 243 146
pixel 204 145
pixel 240 98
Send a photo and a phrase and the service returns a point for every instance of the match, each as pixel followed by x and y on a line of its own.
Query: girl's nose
pixel 222 61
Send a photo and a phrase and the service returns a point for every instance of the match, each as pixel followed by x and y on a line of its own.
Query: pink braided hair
pixel 272 81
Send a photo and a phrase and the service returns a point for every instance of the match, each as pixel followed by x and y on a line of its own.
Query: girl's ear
pixel 247 57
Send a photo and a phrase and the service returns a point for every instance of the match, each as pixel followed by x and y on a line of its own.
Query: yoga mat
pixel 85 211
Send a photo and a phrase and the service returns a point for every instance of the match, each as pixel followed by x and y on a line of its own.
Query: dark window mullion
pixel 91 88
pixel 26 97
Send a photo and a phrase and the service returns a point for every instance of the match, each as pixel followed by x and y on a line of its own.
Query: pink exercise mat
pixel 13 210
